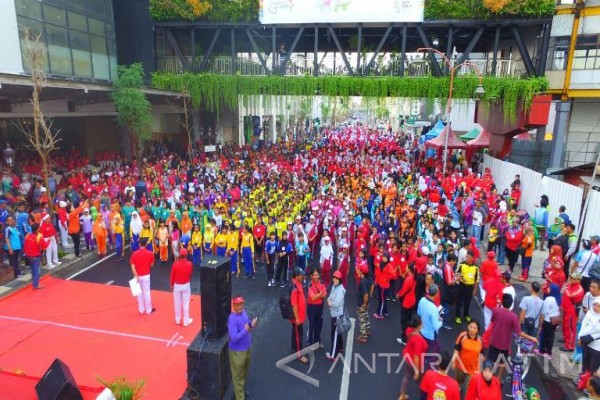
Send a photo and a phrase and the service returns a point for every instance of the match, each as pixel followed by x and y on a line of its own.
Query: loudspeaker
pixel 58 384
pixel 215 288
pixel 208 370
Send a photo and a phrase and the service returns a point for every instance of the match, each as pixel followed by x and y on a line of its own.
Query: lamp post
pixel 479 91
pixel 8 155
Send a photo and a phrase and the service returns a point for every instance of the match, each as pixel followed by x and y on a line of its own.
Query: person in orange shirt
pixel 467 349
pixel 528 244
pixel 186 224
pixel 74 226
pixel 100 234
pixel 162 237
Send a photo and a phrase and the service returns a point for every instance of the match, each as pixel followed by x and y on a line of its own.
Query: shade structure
pixel 440 141
pixel 472 134
pixel 481 141
pixel 435 131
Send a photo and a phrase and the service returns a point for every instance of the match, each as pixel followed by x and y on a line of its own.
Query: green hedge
pixel 214 91
pixel 474 9
pixel 247 10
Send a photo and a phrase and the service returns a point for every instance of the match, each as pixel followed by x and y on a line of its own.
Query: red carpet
pixel 97 331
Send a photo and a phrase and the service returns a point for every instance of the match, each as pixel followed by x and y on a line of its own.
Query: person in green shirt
pixel 128 209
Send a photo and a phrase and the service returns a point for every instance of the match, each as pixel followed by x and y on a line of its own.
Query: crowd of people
pixel 356 208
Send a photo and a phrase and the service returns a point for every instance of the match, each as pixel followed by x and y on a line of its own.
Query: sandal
pixel 303 360
pixel 361 339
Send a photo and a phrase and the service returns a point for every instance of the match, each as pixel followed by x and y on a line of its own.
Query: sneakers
pixel 377 316
pixel 468 319
pixel 458 320
pixel 283 284
pixel 563 348
pixel 446 326
pixel 401 342
pixel 269 284
pixel 329 356
pixel 57 263
pixel 189 322
pixel 51 266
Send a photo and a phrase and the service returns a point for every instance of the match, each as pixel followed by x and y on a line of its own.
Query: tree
pixel 185 122
pixel 40 136
pixel 134 111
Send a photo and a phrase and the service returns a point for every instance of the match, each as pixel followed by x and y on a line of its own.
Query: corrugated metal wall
pixel 533 185
pixel 592 222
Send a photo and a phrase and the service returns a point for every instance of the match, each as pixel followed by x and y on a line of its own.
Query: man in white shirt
pixel 508 288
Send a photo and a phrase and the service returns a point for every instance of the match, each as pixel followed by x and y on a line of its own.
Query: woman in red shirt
pixel 413 355
pixel 484 385
pixel 383 274
pixel 407 296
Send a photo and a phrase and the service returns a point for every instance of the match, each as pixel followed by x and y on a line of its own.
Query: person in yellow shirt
pixel 209 237
pixel 233 244
pixel 196 244
pixel 148 232
pixel 118 231
pixel 248 253
pixel 281 226
pixel 221 241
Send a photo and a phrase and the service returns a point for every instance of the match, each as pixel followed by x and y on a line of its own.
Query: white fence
pixel 534 185
pixel 592 222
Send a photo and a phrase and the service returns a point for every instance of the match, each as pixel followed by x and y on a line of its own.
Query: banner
pixel 340 11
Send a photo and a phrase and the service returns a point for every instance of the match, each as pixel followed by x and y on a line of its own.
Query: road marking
pixel 347 359
pixel 107 332
pixel 109 282
pixel 90 267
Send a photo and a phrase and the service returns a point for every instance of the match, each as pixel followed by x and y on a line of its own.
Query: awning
pixel 481 141
pixel 435 131
pixel 453 142
pixel 472 134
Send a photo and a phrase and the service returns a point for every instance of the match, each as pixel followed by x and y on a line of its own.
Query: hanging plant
pixel 215 91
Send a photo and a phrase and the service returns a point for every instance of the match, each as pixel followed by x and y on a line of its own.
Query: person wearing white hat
pixel 49 234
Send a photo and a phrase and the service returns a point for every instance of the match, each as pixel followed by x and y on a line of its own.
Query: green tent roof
pixel 472 134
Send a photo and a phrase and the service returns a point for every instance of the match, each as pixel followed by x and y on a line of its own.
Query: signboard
pixel 340 11
pixel 210 149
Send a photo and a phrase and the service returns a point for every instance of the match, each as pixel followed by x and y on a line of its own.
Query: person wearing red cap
pixel 363 294
pixel 335 301
pixel 181 275
pixel 239 327
pixel 49 233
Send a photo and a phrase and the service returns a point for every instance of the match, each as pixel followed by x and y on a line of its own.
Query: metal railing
pixel 297 66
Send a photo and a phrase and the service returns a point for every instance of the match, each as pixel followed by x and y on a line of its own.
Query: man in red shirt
pixel 141 261
pixel 298 302
pixel 436 384
pixel 181 275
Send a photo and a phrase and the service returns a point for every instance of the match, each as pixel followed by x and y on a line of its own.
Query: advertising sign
pixel 340 11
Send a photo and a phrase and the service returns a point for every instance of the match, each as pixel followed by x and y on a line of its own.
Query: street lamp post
pixel 479 91
pixel 8 155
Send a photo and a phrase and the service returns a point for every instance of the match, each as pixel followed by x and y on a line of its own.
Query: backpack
pixel 594 271
pixel 285 304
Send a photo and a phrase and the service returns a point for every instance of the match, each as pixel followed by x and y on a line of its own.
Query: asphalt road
pixel 374 378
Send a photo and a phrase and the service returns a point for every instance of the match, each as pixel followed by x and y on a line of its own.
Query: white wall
pixel 10 53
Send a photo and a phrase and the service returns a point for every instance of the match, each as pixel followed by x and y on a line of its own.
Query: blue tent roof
pixel 435 132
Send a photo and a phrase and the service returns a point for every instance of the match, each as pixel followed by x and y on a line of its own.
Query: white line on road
pixel 109 282
pixel 347 359
pixel 90 267
pixel 168 342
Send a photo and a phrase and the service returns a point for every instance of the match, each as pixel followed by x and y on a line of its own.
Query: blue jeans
pixel 35 264
pixel 501 256
pixel 477 232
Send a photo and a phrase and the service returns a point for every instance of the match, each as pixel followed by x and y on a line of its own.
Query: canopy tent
pixel 440 141
pixel 435 131
pixel 472 134
pixel 481 141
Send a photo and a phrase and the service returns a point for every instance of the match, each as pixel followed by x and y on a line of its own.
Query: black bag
pixel 529 323
pixel 585 340
pixel 594 271
pixel 343 324
pixel 285 304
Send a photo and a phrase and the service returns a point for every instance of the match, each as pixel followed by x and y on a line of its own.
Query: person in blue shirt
pixel 13 244
pixel 271 251
pixel 540 219
pixel 432 322
pixel 302 250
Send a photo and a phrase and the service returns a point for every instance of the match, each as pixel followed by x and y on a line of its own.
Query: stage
pixel 96 330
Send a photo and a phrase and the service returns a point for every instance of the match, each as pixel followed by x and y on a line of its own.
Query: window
pixel 77 21
pixel 587 53
pixel 78 35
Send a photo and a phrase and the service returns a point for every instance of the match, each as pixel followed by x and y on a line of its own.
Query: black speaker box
pixel 58 384
pixel 215 289
pixel 208 369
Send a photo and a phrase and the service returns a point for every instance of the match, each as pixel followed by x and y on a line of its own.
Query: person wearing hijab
pixel 589 338
pixel 550 318
pixel 135 229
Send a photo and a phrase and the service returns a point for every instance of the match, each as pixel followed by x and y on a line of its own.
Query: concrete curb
pixel 558 387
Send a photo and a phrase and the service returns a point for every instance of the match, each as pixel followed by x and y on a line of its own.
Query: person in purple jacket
pixel 240 327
